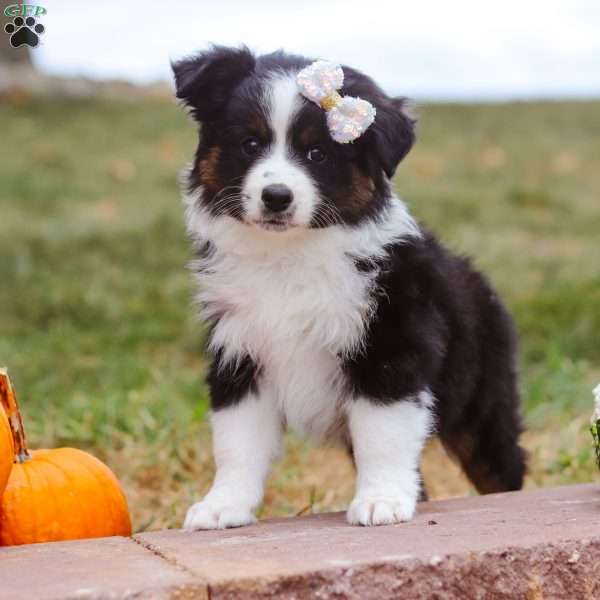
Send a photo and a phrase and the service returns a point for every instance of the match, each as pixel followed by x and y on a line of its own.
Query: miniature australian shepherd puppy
pixel 331 311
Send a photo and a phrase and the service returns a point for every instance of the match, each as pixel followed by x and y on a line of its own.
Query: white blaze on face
pixel 277 166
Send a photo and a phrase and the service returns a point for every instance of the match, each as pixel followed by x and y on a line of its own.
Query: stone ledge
pixel 100 569
pixel 536 544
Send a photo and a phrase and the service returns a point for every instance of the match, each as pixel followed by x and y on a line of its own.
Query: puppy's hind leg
pixel 484 435
pixel 485 440
pixel 491 457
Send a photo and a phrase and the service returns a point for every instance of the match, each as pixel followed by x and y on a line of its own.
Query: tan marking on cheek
pixel 207 169
pixel 361 191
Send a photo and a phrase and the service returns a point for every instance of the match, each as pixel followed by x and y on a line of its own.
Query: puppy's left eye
pixel 251 146
pixel 315 154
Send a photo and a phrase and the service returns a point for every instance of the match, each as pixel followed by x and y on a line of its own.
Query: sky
pixel 443 50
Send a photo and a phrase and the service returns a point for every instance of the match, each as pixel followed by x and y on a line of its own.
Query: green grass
pixel 96 321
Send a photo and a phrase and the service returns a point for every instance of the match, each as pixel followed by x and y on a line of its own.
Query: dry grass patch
pixel 160 485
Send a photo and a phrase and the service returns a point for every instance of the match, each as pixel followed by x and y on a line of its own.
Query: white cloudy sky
pixel 457 49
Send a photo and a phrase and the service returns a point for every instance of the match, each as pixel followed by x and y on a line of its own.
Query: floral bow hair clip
pixel 347 117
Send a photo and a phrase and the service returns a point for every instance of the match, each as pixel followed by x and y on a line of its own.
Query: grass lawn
pixel 98 330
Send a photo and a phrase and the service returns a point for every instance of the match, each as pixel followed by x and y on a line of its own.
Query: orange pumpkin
pixel 7 450
pixel 60 494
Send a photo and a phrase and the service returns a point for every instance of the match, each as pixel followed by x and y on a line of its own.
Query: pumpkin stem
pixel 8 399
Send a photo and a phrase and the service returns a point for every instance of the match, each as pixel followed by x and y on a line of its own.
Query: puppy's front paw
pixel 381 511
pixel 213 515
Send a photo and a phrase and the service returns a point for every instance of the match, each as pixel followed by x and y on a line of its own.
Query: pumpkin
pixel 7 451
pixel 59 494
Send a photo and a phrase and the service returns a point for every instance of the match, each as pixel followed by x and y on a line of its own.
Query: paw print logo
pixel 24 32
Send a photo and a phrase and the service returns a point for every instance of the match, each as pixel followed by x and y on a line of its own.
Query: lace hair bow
pixel 347 117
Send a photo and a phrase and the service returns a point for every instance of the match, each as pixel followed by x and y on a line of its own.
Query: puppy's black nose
pixel 277 197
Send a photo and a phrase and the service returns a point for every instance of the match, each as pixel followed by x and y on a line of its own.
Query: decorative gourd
pixel 60 494
pixel 595 424
pixel 7 451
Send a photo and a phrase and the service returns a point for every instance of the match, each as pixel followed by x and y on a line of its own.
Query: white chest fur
pixel 295 303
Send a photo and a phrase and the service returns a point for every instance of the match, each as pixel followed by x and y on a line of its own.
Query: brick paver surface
pixel 108 568
pixel 533 545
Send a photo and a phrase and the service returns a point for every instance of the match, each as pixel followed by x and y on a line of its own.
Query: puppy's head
pixel 265 155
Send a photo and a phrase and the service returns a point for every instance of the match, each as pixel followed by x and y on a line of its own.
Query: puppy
pixel 332 312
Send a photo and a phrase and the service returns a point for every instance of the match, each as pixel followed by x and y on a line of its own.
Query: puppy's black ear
pixel 393 132
pixel 205 81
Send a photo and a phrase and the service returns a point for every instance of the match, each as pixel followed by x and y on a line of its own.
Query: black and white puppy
pixel 331 311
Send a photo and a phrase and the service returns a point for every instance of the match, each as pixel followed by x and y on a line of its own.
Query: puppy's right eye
pixel 316 154
pixel 251 146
